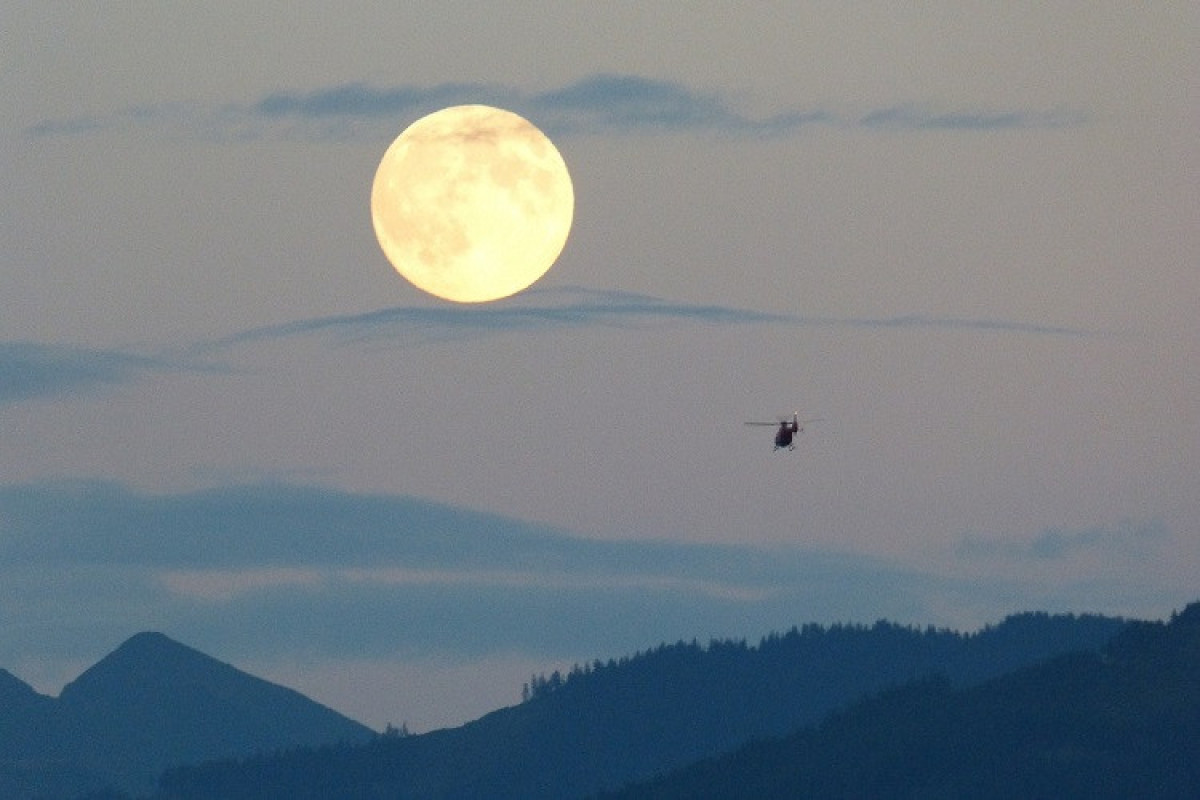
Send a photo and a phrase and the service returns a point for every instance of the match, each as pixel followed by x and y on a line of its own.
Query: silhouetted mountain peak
pixel 149 704
pixel 151 643
pixel 15 694
pixel 150 662
pixel 12 686
pixel 158 683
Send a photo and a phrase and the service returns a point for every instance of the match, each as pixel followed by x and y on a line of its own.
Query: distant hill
pixel 604 725
pixel 1117 724
pixel 150 704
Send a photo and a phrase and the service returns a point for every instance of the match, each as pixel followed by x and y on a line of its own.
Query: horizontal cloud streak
pixel 1055 544
pixel 595 104
pixel 31 371
pixel 353 573
pixel 573 307
pixel 615 102
pixel 948 323
pixel 268 569
pixel 274 526
pixel 361 100
pixel 909 117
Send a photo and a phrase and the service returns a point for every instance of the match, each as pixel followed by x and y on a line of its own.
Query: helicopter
pixel 787 429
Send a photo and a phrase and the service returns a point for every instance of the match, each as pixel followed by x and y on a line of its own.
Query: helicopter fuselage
pixel 783 437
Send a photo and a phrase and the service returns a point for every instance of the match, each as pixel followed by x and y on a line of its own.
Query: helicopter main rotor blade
pixel 772 424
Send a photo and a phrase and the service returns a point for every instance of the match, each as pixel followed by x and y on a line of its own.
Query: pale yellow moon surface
pixel 472 203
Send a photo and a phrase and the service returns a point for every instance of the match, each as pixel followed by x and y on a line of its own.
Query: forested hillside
pixel 1121 723
pixel 606 724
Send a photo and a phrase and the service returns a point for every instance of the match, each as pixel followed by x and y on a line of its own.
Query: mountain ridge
pixel 149 704
pixel 1119 723
pixel 607 724
pixel 13 690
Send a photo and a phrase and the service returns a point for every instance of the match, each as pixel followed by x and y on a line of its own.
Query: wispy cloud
pixel 267 570
pixel 597 104
pixel 575 307
pixel 72 126
pixel 535 310
pixel 614 103
pixel 950 323
pixel 355 573
pixel 273 525
pixel 362 100
pixel 915 117
pixel 1055 544
pixel 30 371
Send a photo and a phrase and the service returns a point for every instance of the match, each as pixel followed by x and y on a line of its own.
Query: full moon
pixel 472 203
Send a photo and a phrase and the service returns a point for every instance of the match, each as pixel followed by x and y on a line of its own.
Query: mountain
pixel 18 698
pixel 21 710
pixel 606 724
pixel 1121 723
pixel 150 704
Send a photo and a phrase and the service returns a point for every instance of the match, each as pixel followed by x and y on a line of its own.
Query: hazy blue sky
pixel 964 234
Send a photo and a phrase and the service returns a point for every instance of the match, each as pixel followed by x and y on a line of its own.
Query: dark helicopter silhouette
pixel 787 429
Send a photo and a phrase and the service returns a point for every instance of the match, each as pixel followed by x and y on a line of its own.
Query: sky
pixel 961 234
